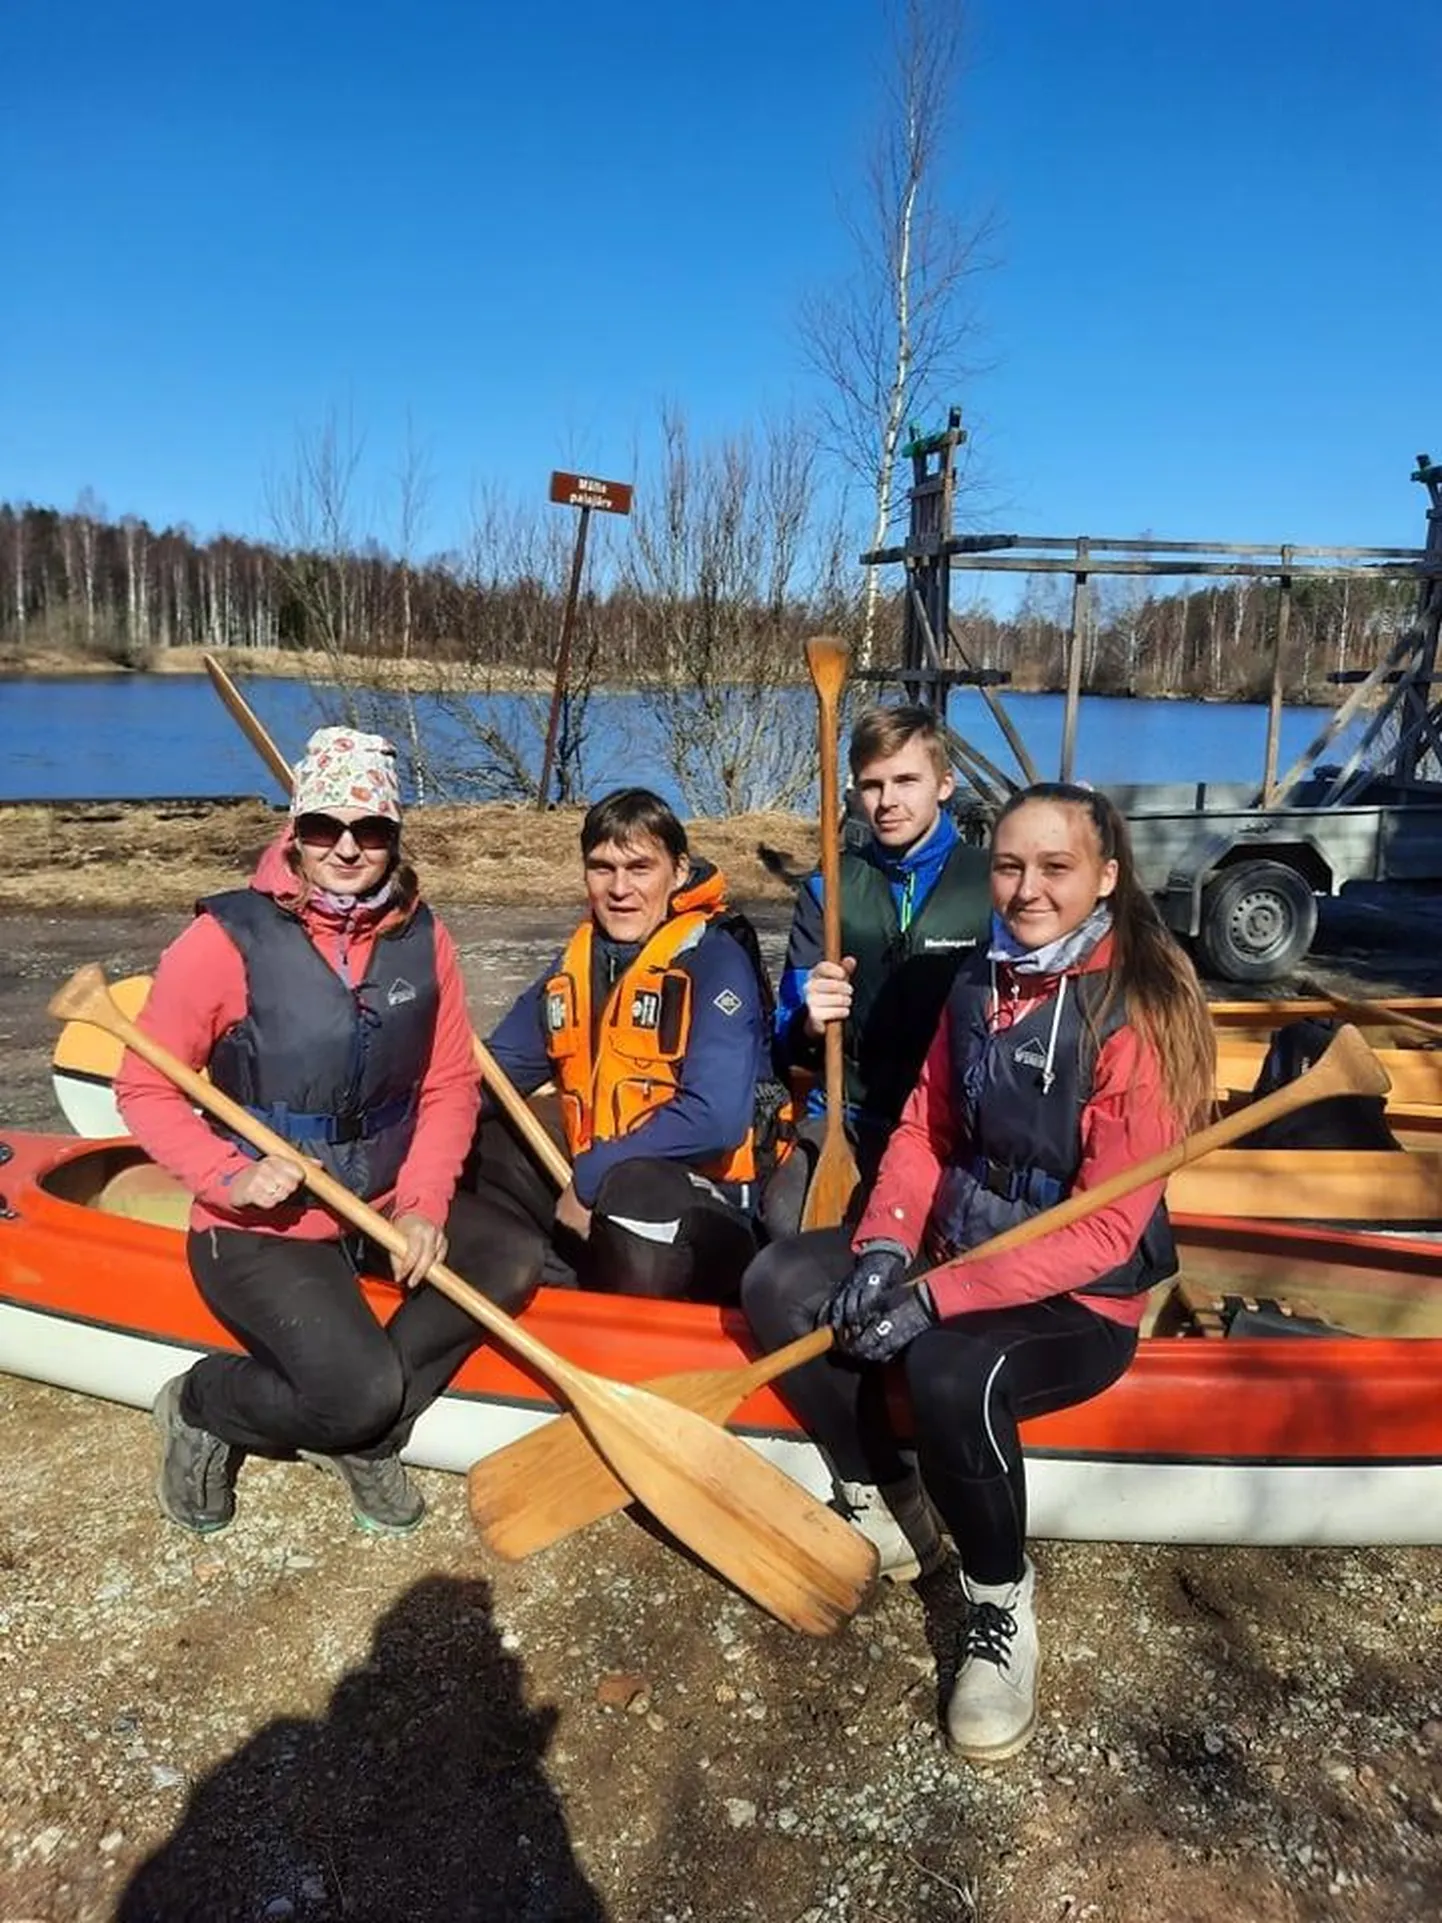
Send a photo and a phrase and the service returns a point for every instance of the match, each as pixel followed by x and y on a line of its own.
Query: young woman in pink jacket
pixel 1078 1044
pixel 327 999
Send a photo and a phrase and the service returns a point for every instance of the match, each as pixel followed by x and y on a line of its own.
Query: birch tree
pixel 891 340
pixel 413 483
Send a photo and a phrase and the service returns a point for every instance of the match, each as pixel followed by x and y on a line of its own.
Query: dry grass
pixel 122 856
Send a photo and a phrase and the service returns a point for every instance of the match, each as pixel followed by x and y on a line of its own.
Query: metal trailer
pixel 1243 882
pixel 1237 868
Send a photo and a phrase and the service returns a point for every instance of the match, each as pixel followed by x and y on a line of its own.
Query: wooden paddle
pixel 733 1508
pixel 249 723
pixel 834 1179
pixel 521 1113
pixel 1360 1012
pixel 550 1482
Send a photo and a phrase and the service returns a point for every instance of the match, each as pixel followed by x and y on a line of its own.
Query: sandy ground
pixel 295 1720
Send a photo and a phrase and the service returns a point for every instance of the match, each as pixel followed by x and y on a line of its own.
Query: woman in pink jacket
pixel 327 999
pixel 1077 1045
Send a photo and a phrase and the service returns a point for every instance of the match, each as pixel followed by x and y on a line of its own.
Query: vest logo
pixel 932 942
pixel 399 992
pixel 728 1001
pixel 1031 1054
pixel 646 1009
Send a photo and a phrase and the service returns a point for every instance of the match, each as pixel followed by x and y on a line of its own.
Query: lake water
pixel 131 737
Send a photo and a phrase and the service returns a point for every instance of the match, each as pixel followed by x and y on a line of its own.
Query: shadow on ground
pixel 421 1794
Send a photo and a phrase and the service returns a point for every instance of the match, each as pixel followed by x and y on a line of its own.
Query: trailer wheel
pixel 1258 920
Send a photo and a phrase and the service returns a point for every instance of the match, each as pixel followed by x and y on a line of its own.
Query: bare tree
pixel 496 699
pixel 890 341
pixel 727 574
pixel 312 511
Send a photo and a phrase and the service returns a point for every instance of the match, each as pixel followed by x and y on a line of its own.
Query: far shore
pixel 443 677
pixel 275 664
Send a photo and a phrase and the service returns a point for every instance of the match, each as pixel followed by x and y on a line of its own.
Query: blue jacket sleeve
pixel 519 1042
pixel 713 1107
pixel 791 1046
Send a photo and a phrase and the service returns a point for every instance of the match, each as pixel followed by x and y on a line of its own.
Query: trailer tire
pixel 1258 920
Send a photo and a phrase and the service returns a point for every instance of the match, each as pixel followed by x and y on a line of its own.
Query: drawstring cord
pixel 1048 1073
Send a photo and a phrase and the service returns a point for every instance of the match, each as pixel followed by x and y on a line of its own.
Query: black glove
pixel 850 1306
pixel 897 1318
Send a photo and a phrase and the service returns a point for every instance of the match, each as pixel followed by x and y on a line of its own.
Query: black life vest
pixel 333 1069
pixel 1020 1094
pixel 903 977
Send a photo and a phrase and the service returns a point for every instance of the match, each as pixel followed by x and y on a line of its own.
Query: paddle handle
pixel 1347 1067
pixel 250 727
pixel 527 1122
pixel 87 998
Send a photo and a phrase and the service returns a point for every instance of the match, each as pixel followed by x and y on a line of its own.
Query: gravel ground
pixel 296 1720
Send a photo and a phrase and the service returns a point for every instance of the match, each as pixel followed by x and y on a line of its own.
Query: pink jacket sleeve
pixel 918 1151
pixel 449 1101
pixel 1126 1120
pixel 198 993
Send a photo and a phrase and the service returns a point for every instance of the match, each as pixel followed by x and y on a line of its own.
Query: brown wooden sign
pixel 584 490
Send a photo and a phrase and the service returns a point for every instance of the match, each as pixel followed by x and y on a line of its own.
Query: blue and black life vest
pixel 333 1069
pixel 903 977
pixel 1020 1094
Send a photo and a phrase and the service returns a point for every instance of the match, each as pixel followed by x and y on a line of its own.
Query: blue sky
pixel 1212 313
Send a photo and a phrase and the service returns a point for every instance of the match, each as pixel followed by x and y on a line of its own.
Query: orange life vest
pixel 641 1034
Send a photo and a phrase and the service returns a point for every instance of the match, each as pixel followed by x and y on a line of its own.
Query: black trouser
pixel 657 1228
pixel 785 1197
pixel 971 1379
pixel 320 1371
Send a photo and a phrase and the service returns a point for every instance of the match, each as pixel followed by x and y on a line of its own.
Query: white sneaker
pixel 899 1519
pixel 992 1711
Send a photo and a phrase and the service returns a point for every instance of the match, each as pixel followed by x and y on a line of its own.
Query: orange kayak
pixel 1214 1435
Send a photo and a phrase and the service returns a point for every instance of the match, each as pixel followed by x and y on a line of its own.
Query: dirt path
pixel 299 1721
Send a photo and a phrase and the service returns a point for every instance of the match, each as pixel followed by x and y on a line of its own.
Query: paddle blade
pixel 827 658
pixel 543 1487
pixel 736 1511
pixel 834 1182
pixel 548 1484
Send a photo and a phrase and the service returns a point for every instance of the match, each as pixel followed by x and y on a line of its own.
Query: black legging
pixel 320 1371
pixel 971 1381
pixel 657 1229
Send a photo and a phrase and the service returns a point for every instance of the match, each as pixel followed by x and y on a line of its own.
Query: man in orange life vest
pixel 652 1026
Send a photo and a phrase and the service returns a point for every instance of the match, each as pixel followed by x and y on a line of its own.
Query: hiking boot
pixel 899 1519
pixel 992 1711
pixel 382 1494
pixel 196 1484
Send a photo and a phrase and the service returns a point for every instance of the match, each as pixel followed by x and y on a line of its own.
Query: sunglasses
pixel 371 833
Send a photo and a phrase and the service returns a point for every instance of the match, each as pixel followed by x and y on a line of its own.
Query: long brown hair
pixel 1150 969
